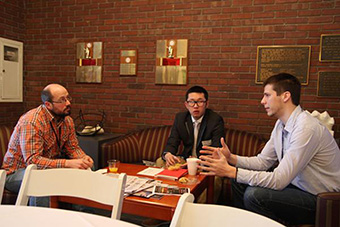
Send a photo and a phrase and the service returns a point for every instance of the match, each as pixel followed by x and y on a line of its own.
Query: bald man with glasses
pixel 44 136
pixel 196 127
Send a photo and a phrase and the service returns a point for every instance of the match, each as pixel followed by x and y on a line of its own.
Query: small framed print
pixel 128 63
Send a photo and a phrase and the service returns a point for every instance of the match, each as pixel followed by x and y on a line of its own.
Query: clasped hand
pixel 80 163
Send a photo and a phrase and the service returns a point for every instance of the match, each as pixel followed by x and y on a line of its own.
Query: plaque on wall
pixel 272 60
pixel 329 84
pixel 89 62
pixel 128 63
pixel 172 61
pixel 329 48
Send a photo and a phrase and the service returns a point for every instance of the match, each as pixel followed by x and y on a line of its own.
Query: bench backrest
pixel 5 135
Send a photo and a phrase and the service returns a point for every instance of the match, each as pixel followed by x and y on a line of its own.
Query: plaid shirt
pixel 36 139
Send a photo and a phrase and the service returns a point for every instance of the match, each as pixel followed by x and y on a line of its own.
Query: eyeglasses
pixel 63 99
pixel 199 103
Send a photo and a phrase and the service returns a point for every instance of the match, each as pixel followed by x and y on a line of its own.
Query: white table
pixel 37 216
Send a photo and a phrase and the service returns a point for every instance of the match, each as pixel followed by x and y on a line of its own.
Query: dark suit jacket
pixel 210 133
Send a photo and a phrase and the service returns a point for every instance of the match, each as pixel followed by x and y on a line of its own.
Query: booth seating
pixel 5 134
pixel 148 144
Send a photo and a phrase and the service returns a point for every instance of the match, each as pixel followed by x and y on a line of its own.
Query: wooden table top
pixel 162 208
pixel 168 200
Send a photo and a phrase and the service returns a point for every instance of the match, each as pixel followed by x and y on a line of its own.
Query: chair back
pixel 188 213
pixel 2 183
pixel 83 184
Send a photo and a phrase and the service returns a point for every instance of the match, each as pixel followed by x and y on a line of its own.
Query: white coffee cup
pixel 192 165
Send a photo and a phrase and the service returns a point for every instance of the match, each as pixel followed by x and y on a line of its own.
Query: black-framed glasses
pixel 199 103
pixel 63 99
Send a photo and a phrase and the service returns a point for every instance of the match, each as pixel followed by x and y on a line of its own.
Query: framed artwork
pixel 329 84
pixel 329 48
pixel 272 60
pixel 172 61
pixel 128 63
pixel 89 62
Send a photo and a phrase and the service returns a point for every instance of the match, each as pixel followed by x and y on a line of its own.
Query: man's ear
pixel 48 105
pixel 186 105
pixel 286 96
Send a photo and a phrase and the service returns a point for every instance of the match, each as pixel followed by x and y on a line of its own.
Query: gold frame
pixel 320 51
pixel 89 62
pixel 172 62
pixel 329 95
pixel 128 62
pixel 259 79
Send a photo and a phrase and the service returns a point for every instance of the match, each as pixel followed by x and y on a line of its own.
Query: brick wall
pixel 12 26
pixel 223 38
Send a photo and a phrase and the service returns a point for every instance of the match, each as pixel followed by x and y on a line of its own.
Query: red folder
pixel 172 174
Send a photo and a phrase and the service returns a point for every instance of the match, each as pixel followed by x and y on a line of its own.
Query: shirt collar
pixel 292 118
pixel 198 121
pixel 50 117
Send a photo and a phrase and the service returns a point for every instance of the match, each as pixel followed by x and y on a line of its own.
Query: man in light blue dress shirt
pixel 307 155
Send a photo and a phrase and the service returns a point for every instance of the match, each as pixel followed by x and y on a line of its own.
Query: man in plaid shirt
pixel 44 136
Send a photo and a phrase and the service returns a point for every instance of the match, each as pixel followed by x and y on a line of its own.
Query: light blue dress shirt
pixel 310 159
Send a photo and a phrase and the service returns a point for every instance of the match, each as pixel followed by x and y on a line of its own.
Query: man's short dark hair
pixel 46 95
pixel 285 82
pixel 197 89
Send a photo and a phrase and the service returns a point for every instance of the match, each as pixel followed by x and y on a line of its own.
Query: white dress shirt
pixel 310 159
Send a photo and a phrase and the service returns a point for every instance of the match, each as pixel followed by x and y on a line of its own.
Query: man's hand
pixel 80 163
pixel 224 150
pixel 171 159
pixel 216 166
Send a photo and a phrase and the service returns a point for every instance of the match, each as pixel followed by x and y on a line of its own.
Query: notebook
pixel 172 174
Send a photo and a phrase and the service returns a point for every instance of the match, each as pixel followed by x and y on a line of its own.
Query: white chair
pixel 75 183
pixel 188 213
pixel 2 183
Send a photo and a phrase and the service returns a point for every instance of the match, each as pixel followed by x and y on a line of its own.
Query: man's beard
pixel 61 115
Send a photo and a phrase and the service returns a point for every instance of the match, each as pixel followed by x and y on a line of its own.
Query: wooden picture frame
pixel 272 60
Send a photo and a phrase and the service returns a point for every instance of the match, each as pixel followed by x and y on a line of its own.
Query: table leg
pixel 210 190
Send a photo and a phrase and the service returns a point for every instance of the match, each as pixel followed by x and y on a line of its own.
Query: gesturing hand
pixel 213 151
pixel 216 166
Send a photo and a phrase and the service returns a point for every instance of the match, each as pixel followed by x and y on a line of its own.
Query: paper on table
pixel 150 171
pixel 135 184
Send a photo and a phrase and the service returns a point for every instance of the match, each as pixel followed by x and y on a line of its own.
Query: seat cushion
pixel 125 149
pixel 244 143
pixel 328 209
pixel 152 142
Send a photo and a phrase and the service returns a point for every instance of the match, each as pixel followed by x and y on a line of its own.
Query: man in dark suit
pixel 209 131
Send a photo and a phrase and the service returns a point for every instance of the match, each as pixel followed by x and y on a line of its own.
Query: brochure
pixel 169 190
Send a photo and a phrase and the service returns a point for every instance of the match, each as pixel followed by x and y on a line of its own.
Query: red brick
pixel 223 38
